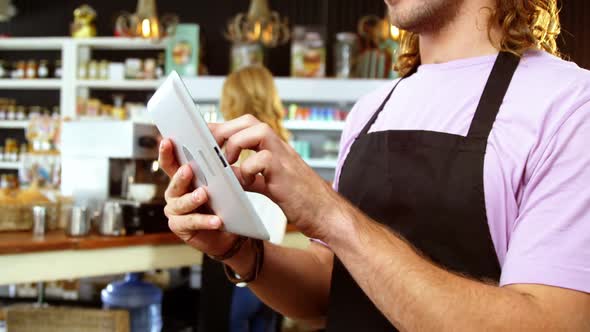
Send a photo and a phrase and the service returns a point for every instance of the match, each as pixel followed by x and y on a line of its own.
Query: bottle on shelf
pixel 160 70
pixel 11 113
pixel 57 70
pixel 31 71
pixel 43 69
pixel 19 70
pixel 21 113
pixel 3 69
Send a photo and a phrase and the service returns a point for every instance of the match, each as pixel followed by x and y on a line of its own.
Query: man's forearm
pixel 414 294
pixel 294 282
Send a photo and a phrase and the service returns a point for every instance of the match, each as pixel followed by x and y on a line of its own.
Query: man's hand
pixel 278 172
pixel 200 231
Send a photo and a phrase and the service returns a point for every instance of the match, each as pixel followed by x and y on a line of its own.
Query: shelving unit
pixel 204 89
pixel 13 124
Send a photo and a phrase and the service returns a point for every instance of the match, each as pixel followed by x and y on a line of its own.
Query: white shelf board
pixel 119 85
pixel 321 163
pixel 32 84
pixel 9 165
pixel 293 89
pixel 314 125
pixel 6 124
pixel 32 43
pixel 326 89
pixel 121 43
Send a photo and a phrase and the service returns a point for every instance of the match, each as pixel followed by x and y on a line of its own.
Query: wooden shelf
pixel 55 257
pixel 6 124
pixel 30 84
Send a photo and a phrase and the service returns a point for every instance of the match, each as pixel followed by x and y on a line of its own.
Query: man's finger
pixel 256 164
pixel 257 137
pixel 258 185
pixel 180 183
pixel 194 222
pixel 186 203
pixel 225 130
pixel 167 159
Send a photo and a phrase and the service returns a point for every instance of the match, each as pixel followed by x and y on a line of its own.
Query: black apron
pixel 427 187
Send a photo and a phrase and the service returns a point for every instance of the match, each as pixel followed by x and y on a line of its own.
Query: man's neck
pixel 465 36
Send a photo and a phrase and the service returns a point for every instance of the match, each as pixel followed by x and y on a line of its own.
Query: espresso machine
pixel 104 163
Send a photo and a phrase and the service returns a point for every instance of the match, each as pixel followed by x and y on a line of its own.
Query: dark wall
pixel 52 18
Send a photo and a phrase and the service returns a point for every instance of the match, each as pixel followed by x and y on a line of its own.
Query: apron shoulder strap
pixel 493 95
pixel 378 111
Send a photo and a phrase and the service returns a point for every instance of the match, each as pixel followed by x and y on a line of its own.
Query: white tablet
pixel 174 112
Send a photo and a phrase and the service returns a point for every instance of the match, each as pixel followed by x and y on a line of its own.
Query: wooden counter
pixel 23 242
pixel 55 257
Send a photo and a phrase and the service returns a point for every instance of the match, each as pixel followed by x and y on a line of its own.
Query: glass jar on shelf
pixel 43 70
pixel 3 69
pixel 83 70
pixel 345 54
pixel 21 113
pixel 31 71
pixel 19 70
pixel 92 70
pixel 103 70
pixel 34 111
pixel 57 70
pixel 11 113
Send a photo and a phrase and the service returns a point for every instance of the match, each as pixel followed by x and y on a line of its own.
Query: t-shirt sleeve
pixel 550 240
pixel 346 140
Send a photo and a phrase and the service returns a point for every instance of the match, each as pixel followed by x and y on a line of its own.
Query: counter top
pixel 57 257
pixel 23 242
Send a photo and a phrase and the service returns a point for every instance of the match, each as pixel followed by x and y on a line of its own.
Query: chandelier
pixel 259 25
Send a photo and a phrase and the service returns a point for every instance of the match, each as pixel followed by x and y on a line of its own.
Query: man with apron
pixel 463 201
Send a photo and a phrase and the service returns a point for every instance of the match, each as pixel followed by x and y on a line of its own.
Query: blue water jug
pixel 142 299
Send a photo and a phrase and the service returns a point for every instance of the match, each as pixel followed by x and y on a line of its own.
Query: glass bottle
pixel 57 71
pixel 31 71
pixel 43 70
pixel 345 54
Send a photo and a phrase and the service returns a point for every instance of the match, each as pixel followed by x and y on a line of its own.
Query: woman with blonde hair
pixel 251 90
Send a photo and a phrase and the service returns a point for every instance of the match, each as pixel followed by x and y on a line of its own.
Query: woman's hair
pixel 525 24
pixel 251 90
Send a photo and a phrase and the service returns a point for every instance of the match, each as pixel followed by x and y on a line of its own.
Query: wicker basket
pixel 11 218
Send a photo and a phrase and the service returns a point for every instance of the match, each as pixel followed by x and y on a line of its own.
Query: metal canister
pixel 39 220
pixel 111 223
pixel 79 222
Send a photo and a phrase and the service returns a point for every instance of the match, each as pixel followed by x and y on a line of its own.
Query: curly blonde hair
pixel 251 90
pixel 525 24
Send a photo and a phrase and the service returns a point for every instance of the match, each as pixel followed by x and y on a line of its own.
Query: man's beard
pixel 423 15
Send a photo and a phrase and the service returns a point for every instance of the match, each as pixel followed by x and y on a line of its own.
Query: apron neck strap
pixel 381 107
pixel 493 95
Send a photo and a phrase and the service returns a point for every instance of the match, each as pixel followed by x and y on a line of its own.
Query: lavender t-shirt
pixel 537 164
